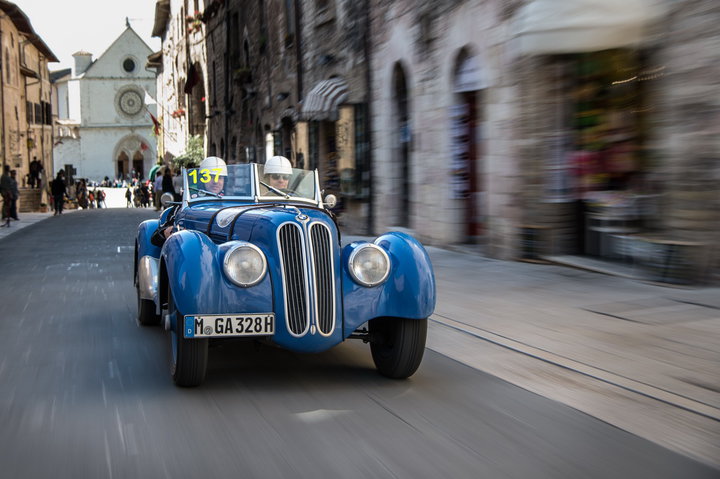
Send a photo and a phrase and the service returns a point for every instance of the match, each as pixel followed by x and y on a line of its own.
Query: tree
pixel 193 154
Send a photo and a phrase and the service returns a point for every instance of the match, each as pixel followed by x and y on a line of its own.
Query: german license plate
pixel 229 325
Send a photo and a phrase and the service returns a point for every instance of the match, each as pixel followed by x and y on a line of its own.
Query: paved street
pixel 523 359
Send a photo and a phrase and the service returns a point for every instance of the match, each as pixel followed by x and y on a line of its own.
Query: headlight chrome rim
pixel 228 257
pixel 354 254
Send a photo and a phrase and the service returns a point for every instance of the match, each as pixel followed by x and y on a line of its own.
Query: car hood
pixel 249 222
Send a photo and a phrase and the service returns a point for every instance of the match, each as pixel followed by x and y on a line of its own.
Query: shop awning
pixel 563 26
pixel 322 102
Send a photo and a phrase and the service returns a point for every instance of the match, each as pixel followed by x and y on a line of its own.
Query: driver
pixel 213 186
pixel 211 176
pixel 277 172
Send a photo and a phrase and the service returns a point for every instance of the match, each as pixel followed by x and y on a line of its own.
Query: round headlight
pixel 245 265
pixel 369 264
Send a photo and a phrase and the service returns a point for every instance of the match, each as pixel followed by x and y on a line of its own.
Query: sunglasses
pixel 275 176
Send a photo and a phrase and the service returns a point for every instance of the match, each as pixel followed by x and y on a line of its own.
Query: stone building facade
pixel 25 95
pixel 103 118
pixel 256 79
pixel 444 107
pixel 181 67
pixel 529 128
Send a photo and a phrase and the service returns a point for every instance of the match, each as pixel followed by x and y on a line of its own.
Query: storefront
pixel 597 172
pixel 333 137
pixel 605 148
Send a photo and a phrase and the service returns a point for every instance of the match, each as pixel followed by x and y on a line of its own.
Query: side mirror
pixel 166 199
pixel 330 201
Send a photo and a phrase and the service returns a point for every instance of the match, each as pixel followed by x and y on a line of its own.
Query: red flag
pixel 157 126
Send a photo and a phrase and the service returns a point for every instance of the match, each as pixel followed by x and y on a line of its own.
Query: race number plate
pixel 229 325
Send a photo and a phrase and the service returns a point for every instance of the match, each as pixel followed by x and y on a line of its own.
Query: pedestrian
pixel 178 185
pixel 167 182
pixel 14 195
pixel 6 191
pixel 35 170
pixel 82 194
pixel 157 189
pixel 59 192
pixel 144 195
pixel 128 197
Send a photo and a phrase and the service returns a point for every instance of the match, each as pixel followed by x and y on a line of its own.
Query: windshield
pixel 211 182
pixel 300 184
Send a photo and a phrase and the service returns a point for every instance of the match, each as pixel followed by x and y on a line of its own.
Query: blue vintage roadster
pixel 254 261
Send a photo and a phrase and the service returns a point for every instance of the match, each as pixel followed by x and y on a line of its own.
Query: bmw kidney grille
pixel 308 277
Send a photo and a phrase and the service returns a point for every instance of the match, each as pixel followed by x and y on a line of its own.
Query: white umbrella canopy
pixel 575 26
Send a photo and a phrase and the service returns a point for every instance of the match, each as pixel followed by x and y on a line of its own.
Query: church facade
pixel 104 126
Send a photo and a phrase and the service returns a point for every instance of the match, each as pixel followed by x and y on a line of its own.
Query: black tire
pixel 188 357
pixel 398 345
pixel 146 311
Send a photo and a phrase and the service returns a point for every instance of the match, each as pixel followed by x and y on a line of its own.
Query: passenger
pixel 277 173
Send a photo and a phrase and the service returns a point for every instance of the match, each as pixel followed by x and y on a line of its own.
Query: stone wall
pixel 687 125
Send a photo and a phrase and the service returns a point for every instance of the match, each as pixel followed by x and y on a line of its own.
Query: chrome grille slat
pixel 324 280
pixel 291 247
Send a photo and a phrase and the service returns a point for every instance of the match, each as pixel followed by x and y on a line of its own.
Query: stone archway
pixel 133 153
pixel 123 165
pixel 467 180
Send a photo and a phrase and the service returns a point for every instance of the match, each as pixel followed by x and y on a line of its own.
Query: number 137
pixel 204 174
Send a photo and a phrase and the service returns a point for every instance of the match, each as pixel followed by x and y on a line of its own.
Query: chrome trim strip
pixel 323 277
pixel 148 268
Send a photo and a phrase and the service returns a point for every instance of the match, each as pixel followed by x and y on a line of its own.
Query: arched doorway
pixel 123 165
pixel 466 165
pixel 133 154
pixel 138 166
pixel 401 146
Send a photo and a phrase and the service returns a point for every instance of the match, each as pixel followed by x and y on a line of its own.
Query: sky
pixel 68 26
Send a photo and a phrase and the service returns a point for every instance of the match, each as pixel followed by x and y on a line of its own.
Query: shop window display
pixel 607 160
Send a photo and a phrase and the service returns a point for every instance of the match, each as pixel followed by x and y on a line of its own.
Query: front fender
pixel 146 256
pixel 143 245
pixel 408 292
pixel 191 264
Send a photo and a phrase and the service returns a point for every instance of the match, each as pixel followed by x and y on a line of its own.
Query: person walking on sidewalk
pixel 157 189
pixel 167 183
pixel 14 194
pixel 59 192
pixel 6 192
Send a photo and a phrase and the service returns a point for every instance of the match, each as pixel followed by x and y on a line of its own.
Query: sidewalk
pixel 643 357
pixel 26 219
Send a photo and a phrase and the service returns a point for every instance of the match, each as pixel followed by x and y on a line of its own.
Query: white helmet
pixel 212 163
pixel 279 165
